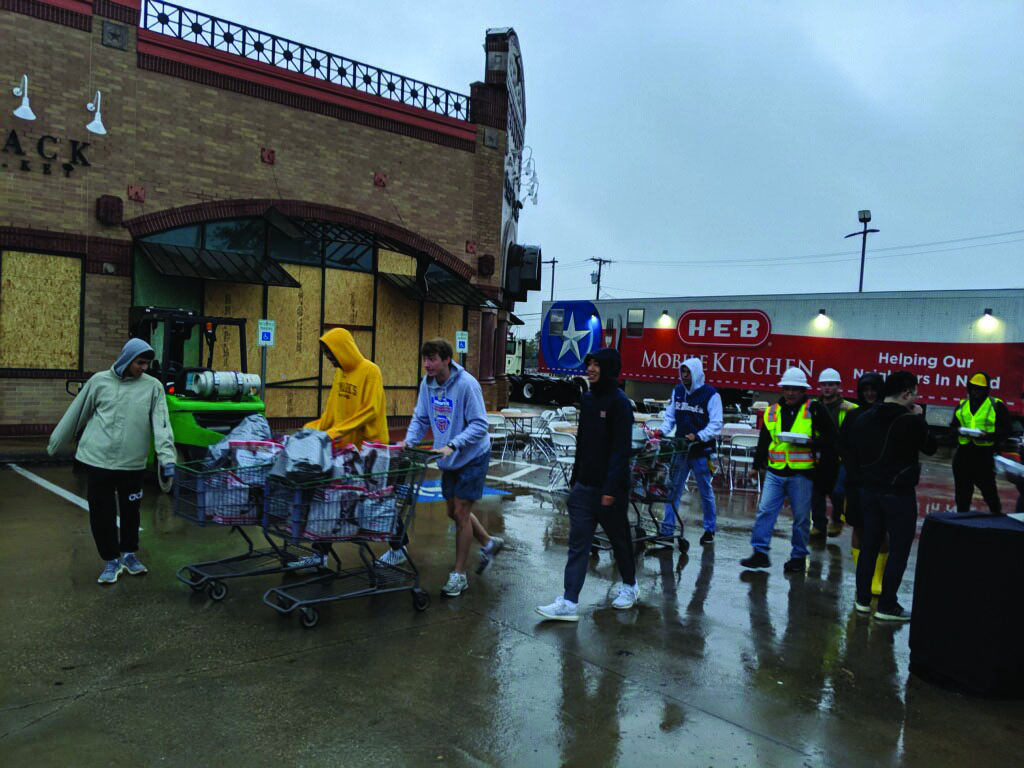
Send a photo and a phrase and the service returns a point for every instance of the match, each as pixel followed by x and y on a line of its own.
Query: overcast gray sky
pixel 725 147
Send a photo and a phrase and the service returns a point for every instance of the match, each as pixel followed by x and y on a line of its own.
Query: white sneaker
pixel 457 584
pixel 560 610
pixel 393 557
pixel 628 595
pixel 310 561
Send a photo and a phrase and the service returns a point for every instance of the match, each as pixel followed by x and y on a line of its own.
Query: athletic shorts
pixel 466 482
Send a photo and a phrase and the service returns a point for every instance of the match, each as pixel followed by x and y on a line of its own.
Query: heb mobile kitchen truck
pixel 746 342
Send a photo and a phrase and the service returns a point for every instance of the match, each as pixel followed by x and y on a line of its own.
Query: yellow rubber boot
pixel 876 581
pixel 856 555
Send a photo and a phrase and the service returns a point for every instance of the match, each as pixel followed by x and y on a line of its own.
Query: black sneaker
pixel 795 565
pixel 708 537
pixel 862 607
pixel 756 560
pixel 899 613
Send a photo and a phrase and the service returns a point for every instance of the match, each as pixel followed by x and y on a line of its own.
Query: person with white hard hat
pixel 796 434
pixel 830 386
pixel 987 424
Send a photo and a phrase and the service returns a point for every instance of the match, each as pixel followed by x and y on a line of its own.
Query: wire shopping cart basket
pixel 359 509
pixel 233 497
pixel 650 486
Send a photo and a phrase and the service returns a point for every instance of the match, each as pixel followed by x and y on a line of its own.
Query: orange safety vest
pixel 780 454
pixel 984 419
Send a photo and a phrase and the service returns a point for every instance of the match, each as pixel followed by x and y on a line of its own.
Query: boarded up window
pixel 40 310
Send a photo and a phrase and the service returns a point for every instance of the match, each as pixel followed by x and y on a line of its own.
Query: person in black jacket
pixel 885 446
pixel 869 392
pixel 599 486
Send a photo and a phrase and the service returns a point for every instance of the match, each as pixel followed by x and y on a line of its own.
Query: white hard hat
pixel 830 375
pixel 794 377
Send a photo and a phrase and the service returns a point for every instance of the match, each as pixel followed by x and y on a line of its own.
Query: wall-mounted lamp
pixel 987 322
pixel 96 126
pixel 822 320
pixel 665 320
pixel 24 111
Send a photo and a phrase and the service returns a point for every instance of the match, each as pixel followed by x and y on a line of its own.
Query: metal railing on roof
pixel 228 37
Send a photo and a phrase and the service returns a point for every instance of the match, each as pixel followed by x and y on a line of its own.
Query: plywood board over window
pixel 441 320
pixel 400 402
pixel 395 263
pixel 40 310
pixel 349 298
pixel 237 300
pixel 398 326
pixel 296 350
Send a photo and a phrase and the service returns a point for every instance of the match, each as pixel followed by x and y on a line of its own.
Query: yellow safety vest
pixel 780 454
pixel 984 419
pixel 843 412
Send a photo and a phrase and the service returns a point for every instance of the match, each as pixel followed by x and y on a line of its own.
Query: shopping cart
pixel 650 485
pixel 233 497
pixel 359 509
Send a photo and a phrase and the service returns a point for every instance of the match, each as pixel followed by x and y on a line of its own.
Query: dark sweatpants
pixel 585 512
pixel 111 490
pixel 885 513
pixel 974 465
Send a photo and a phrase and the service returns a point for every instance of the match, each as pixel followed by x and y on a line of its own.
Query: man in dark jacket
pixel 600 486
pixel 869 392
pixel 886 443
pixel 974 461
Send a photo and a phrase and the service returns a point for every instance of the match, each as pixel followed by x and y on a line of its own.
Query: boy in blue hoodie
pixel 451 404
pixel 696 414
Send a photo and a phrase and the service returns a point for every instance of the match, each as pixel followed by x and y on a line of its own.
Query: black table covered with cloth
pixel 969 604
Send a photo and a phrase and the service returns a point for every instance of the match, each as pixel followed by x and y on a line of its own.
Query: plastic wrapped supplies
pixel 251 428
pixel 306 456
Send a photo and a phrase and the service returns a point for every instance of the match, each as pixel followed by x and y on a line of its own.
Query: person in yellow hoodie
pixel 355 412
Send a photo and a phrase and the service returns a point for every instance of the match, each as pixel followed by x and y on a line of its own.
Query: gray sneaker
pixel 628 595
pixel 393 557
pixel 132 564
pixel 457 584
pixel 111 571
pixel 560 610
pixel 486 558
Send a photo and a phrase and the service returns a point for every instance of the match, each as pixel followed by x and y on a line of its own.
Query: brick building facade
pixel 215 134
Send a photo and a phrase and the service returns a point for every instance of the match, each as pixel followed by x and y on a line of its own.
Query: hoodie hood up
pixel 869 379
pixel 133 349
pixel 611 365
pixel 341 344
pixel 696 368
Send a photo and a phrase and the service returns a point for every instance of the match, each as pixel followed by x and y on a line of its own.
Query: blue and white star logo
pixel 571 338
pixel 579 333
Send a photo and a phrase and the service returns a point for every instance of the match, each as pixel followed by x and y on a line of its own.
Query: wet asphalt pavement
pixel 716 667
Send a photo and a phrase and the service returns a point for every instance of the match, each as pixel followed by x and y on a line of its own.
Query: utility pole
pixel 600 263
pixel 552 263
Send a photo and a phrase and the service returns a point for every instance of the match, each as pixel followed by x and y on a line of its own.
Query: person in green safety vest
pixel 974 462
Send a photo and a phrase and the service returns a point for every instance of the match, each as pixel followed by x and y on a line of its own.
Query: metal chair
pixel 564 446
pixel 499 432
pixel 655 423
pixel 740 452
pixel 570 413
pixel 539 441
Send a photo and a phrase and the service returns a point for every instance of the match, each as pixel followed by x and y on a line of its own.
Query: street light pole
pixel 864 217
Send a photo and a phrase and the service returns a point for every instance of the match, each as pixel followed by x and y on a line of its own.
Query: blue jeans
pixel 585 512
pixel 776 489
pixel 678 475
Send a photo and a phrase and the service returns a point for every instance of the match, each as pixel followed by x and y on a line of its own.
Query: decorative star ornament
pixel 571 338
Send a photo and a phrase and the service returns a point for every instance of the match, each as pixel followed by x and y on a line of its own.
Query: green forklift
pixel 204 404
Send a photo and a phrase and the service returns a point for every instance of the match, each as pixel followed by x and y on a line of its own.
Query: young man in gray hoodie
pixel 118 414
pixel 451 404
pixel 695 412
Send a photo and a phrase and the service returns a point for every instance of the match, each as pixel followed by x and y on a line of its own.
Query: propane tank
pixel 222 384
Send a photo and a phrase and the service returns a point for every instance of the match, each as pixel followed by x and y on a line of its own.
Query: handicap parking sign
pixel 266 333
